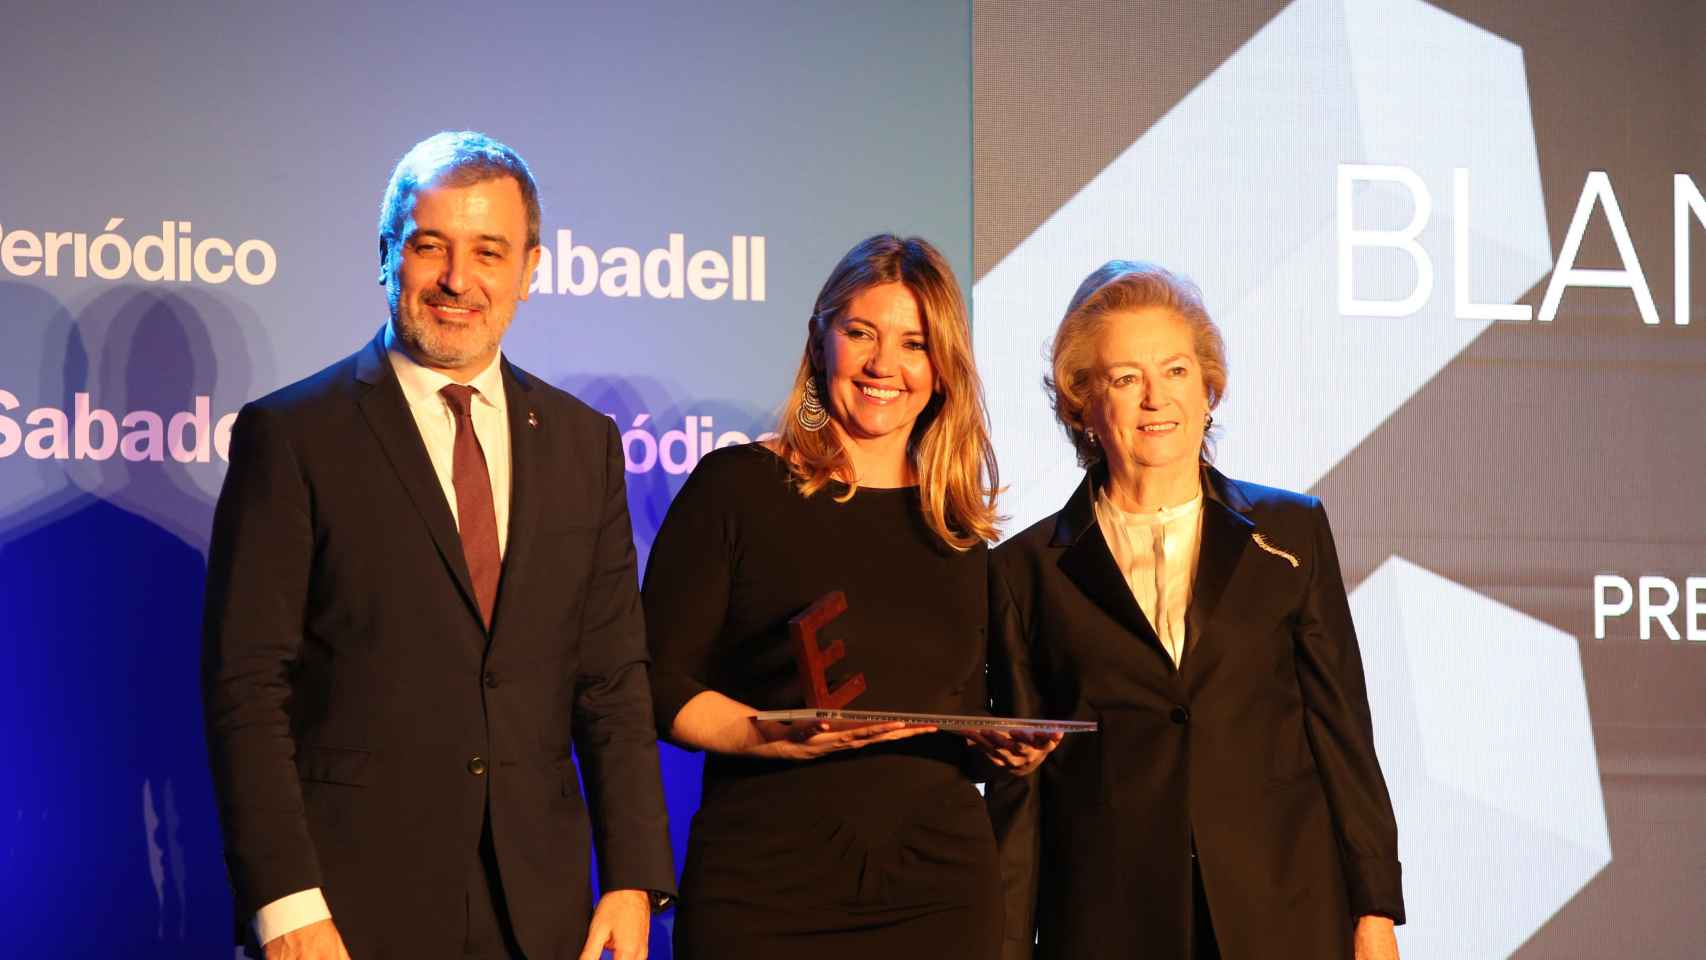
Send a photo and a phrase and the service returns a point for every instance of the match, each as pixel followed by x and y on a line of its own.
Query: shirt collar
pixel 422 384
pixel 1105 507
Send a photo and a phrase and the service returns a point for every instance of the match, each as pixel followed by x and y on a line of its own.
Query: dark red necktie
pixel 475 515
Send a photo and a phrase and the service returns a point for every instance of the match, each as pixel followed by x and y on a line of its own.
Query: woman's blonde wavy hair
pixel 949 448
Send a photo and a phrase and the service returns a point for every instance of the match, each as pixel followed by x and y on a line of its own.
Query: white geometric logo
pixel 1236 187
pixel 1481 723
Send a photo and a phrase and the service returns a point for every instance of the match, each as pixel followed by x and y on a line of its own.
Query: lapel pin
pixel 533 419
pixel 1262 542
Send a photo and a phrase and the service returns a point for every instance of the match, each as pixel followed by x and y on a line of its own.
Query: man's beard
pixel 424 337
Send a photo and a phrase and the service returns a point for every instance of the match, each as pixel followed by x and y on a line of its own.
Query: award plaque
pixel 814 660
pixel 957 723
pixel 824 705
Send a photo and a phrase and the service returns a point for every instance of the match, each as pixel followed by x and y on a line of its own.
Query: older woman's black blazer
pixel 1257 753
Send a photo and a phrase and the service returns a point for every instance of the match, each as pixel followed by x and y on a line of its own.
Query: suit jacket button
pixel 476 766
pixel 491 679
pixel 1180 714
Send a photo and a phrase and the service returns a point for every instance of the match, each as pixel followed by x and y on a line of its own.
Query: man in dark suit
pixel 421 605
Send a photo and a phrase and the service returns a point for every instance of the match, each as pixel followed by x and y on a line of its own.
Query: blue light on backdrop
pixel 187 222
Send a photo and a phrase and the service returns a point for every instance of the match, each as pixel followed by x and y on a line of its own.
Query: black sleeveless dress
pixel 883 852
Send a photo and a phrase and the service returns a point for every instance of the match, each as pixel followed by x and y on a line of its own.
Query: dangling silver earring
pixel 1090 435
pixel 811 414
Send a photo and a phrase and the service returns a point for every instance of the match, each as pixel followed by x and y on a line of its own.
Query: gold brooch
pixel 1262 542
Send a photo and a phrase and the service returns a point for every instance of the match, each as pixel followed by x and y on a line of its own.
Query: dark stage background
pixel 1499 487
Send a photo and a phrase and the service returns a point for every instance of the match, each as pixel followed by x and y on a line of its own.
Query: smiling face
pixel 876 366
pixel 461 268
pixel 1151 401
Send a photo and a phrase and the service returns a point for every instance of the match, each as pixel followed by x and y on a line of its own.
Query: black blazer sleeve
pixel 252 627
pixel 1341 735
pixel 1014 803
pixel 613 707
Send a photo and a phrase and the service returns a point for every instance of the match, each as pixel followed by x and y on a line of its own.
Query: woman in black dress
pixel 811 841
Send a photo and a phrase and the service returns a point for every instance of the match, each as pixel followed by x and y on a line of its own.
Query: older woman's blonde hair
pixel 1121 286
pixel 949 448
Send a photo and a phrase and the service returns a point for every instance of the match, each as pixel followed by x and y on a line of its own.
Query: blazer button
pixel 476 766
pixel 1180 714
pixel 491 679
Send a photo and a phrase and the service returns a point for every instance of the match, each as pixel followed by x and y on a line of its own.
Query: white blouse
pixel 1157 553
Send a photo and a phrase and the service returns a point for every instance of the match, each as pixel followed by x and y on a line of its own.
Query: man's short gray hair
pixel 453 159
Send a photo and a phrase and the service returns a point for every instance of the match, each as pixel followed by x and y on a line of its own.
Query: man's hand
pixel 622 924
pixel 317 941
pixel 1375 939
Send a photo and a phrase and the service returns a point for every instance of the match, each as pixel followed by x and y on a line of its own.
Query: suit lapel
pixel 525 438
pixel 1089 563
pixel 1225 538
pixel 388 415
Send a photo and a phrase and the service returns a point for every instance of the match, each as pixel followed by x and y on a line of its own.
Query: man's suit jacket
pixel 360 715
pixel 1257 751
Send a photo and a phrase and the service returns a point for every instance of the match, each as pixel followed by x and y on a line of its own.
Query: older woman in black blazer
pixel 1231 805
